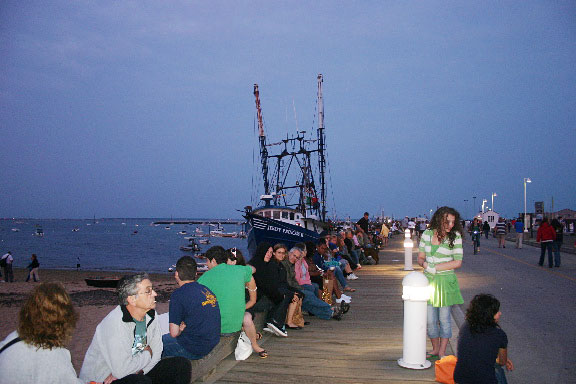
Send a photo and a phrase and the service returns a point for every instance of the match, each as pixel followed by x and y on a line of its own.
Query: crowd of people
pixel 128 345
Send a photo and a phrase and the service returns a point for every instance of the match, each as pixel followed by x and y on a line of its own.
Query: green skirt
pixel 445 290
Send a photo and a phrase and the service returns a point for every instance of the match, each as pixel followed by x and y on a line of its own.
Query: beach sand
pixel 93 304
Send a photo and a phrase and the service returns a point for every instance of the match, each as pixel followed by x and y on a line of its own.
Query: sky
pixel 145 108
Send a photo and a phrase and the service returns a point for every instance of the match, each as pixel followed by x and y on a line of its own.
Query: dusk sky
pixel 145 108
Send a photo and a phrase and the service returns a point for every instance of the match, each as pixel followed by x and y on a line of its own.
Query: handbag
pixel 444 369
pixel 243 348
pixel 298 318
pixel 327 288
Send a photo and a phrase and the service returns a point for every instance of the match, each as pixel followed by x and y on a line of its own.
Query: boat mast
pixel 321 148
pixel 262 139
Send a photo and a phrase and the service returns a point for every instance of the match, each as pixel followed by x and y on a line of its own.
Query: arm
pixel 503 359
pixel 175 329
pixel 251 286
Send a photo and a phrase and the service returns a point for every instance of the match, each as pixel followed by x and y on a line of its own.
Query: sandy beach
pixel 93 304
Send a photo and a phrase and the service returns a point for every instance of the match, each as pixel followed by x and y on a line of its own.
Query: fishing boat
pixel 290 213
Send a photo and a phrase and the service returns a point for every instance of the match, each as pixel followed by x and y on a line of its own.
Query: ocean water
pixel 104 244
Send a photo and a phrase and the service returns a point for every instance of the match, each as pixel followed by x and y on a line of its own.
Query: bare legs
pixel 439 345
pixel 250 329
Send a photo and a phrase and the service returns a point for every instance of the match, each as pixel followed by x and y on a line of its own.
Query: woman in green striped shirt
pixel 440 253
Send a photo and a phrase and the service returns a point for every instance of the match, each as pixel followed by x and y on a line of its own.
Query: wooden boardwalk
pixel 362 348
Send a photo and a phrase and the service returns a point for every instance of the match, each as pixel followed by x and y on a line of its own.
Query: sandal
pixel 258 336
pixel 348 289
pixel 431 356
pixel 263 354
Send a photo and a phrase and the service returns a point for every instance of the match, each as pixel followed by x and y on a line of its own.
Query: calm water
pixel 108 244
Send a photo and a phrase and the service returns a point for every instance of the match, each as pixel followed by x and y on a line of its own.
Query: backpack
pixel 3 262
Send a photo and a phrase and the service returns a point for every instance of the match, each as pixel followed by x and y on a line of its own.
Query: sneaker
pixel 276 329
pixel 344 307
pixel 336 313
pixel 346 298
pixel 352 276
pixel 343 299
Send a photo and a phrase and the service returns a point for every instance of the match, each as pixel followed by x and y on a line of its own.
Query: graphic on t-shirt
pixel 139 344
pixel 210 298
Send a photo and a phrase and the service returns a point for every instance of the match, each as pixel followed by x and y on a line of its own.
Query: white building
pixel 490 216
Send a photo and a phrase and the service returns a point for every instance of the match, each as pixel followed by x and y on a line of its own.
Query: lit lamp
pixel 526 180
pixel 408 245
pixel 484 201
pixel 415 293
pixel 494 194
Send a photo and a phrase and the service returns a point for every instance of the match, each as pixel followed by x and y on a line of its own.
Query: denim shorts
pixel 439 322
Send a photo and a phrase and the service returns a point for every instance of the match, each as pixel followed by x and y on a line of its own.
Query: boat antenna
pixel 321 148
pixel 262 139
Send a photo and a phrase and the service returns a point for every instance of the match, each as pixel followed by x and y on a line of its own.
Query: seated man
pixel 127 344
pixel 194 317
pixel 319 260
pixel 228 283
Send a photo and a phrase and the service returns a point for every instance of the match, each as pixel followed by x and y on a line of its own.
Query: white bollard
pixel 408 245
pixel 415 293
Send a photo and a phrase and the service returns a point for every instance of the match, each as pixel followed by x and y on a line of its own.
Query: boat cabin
pixel 286 215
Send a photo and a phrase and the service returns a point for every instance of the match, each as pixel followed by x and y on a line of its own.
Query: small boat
pixel 39 231
pixel 75 229
pixel 182 233
pixel 167 227
pixel 102 282
pixel 15 230
pixel 204 241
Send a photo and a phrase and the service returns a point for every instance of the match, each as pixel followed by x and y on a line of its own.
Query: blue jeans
pixel 311 303
pixel 543 247
pixel 500 375
pixel 173 348
pixel 556 245
pixel 340 277
pixel 438 322
pixel 354 256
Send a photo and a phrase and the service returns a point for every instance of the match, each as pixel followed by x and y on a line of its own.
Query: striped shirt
pixel 444 253
pixel 500 228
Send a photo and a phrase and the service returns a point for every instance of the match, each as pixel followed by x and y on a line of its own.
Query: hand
pixel 509 365
pixel 430 270
pixel 149 350
pixel 109 379
pixel 182 326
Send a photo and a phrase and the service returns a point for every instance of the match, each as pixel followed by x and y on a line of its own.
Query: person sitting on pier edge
pixel 127 344
pixel 274 294
pixel 194 317
pixel 339 247
pixel 321 256
pixel 36 352
pixel 311 302
pixel 235 257
pixel 228 283
pixel 303 275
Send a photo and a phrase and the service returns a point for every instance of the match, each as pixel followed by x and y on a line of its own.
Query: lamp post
pixel 526 180
pixel 484 201
pixel 408 245
pixel 474 209
pixel 494 194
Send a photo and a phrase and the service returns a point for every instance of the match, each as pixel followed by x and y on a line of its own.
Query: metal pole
pixel 525 221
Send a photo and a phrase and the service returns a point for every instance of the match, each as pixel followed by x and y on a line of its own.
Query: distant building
pixel 490 216
pixel 569 217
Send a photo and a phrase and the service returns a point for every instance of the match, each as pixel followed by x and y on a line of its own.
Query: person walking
pixel 557 243
pixel 500 231
pixel 33 269
pixel 440 253
pixel 486 229
pixel 519 228
pixel 545 236
pixel 6 263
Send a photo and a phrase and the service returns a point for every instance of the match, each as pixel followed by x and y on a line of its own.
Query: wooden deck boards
pixel 362 348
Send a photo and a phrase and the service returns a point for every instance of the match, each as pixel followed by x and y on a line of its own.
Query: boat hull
pixel 263 229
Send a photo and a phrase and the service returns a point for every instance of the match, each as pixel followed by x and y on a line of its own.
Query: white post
pixel 415 293
pixel 408 245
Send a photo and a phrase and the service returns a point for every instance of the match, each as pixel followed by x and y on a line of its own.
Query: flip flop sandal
pixel 432 356
pixel 348 289
pixel 263 354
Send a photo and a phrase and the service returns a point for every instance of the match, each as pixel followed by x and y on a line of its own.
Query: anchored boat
pixel 290 213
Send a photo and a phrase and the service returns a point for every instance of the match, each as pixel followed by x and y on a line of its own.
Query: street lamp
pixel 526 180
pixel 474 209
pixel 484 201
pixel 494 194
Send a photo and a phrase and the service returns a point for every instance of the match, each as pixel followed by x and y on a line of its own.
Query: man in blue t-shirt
pixel 519 228
pixel 194 315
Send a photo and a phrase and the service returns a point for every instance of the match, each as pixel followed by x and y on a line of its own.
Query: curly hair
pixel 438 220
pixel 481 311
pixel 47 318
